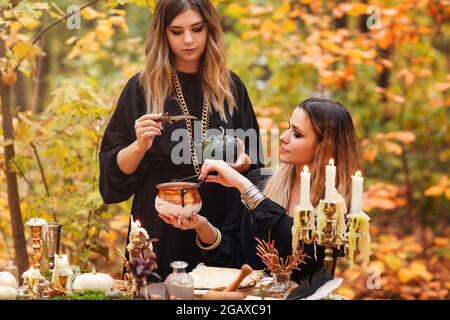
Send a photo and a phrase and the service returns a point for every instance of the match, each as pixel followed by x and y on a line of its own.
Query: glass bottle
pixel 179 284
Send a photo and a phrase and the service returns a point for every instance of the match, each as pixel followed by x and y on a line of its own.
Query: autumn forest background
pixel 388 62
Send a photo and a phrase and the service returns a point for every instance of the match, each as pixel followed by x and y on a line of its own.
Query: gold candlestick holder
pixel 36 234
pixel 304 220
pixel 329 239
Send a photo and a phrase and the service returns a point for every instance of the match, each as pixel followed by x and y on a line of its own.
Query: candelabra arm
pixel 329 239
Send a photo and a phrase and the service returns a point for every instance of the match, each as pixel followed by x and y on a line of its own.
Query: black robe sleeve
pixel 116 186
pixel 228 253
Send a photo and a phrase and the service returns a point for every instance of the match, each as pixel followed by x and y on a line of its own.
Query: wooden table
pixel 158 291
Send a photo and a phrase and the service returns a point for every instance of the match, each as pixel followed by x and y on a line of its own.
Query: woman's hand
pixel 227 176
pixel 147 129
pixel 181 222
pixel 243 161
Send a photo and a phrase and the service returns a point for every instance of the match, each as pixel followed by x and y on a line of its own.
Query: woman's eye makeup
pixel 197 29
pixel 296 133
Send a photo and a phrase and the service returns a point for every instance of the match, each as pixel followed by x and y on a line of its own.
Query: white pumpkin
pixel 8 293
pixel 8 280
pixel 93 282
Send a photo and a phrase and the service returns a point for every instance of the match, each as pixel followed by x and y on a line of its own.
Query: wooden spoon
pixel 230 293
pixel 245 271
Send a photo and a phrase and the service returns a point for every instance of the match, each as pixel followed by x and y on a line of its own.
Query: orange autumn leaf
pixel 380 203
pixel 9 78
pixel 393 262
pixel 383 196
pixel 392 148
pixel 443 187
pixel 441 242
pixel 405 137
pixel 346 291
pixel 442 86
pixel 89 13
pixel 420 270
pixel 355 9
pixel 405 275
pixel 378 265
pixel 370 153
pixel 265 122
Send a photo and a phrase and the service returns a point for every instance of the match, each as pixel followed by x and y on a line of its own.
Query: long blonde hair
pixel 157 77
pixel 336 138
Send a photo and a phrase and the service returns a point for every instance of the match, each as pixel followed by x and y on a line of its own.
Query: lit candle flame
pixel 358 174
pixel 331 162
pixel 305 168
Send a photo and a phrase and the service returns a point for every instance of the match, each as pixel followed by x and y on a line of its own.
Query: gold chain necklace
pixel 205 119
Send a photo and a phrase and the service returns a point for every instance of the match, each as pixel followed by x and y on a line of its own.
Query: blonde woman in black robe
pixel 184 51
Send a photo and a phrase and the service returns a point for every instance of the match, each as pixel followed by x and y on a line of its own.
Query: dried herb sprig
pixel 270 257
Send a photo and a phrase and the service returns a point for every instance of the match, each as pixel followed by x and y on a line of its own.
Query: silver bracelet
pixel 252 197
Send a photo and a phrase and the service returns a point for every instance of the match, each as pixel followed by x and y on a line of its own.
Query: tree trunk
pixel 11 177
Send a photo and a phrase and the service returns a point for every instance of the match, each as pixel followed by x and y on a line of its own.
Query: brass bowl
pixel 178 198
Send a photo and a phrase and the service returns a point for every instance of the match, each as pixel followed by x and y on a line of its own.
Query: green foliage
pixel 89 295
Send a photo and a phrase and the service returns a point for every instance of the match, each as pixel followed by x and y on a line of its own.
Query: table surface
pixel 158 289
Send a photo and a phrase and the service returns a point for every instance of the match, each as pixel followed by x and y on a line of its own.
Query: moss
pixel 88 295
pixel 91 295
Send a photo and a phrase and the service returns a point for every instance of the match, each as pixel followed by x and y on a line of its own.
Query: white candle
pixel 137 229
pixel 305 178
pixel 330 181
pixel 64 263
pixel 357 193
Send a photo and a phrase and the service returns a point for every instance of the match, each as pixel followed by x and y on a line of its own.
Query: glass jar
pixel 280 282
pixel 179 284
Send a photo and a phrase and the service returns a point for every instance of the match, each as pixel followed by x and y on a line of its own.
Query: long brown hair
pixel 336 138
pixel 157 80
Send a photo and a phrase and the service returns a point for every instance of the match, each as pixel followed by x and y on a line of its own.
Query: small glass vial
pixel 179 284
pixel 11 268
pixel 42 289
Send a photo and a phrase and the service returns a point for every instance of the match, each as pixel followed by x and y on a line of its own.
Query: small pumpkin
pixel 93 281
pixel 221 147
pixel 8 293
pixel 8 280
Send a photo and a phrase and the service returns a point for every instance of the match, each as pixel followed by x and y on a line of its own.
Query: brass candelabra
pixel 329 239
pixel 304 219
pixel 36 234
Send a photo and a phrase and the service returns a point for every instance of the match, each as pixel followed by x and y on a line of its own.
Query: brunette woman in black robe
pixel 319 129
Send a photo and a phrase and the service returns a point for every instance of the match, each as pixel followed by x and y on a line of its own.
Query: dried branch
pixel 272 260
